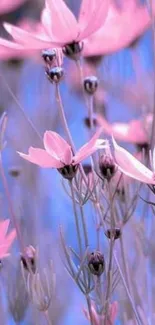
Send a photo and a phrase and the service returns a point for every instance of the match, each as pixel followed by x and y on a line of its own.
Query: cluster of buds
pixel 53 65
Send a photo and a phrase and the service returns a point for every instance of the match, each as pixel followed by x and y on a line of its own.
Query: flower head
pixel 118 32
pixel 58 153
pixel 59 25
pixel 131 166
pixel 5 240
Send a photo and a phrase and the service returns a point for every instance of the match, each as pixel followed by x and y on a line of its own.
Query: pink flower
pixel 120 29
pixel 59 25
pixel 133 131
pixel 58 153
pixel 132 167
pixel 113 310
pixel 9 5
pixel 5 240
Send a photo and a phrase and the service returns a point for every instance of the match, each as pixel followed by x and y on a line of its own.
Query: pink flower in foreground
pixel 9 5
pixel 5 240
pixel 132 167
pixel 59 25
pixel 58 153
pixel 133 131
pixel 121 28
pixel 113 310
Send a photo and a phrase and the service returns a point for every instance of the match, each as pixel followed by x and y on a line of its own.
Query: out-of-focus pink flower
pixel 9 5
pixel 59 25
pixel 133 131
pixel 121 28
pixel 131 166
pixel 58 152
pixel 5 240
pixel 113 310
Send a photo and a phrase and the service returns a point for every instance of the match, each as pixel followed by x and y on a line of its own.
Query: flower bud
pixel 49 56
pixel 96 263
pixel 68 171
pixel 90 84
pixel 29 259
pixel 73 50
pixel 87 121
pixel 55 74
pixel 107 166
pixel 113 233
pixel 87 168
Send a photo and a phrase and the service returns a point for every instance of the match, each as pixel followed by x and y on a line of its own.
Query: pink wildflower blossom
pixel 131 166
pixel 118 32
pixel 59 25
pixel 133 131
pixel 58 153
pixel 9 5
pixel 113 310
pixel 5 240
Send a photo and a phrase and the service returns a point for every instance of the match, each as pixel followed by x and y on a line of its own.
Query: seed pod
pixel 68 171
pixel 107 166
pixel 96 263
pixel 113 233
pixel 90 85
pixel 55 74
pixel 73 50
pixel 29 259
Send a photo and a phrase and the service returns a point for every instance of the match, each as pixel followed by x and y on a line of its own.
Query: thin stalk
pixel 125 266
pixel 84 227
pixel 10 207
pixel 89 309
pixel 49 322
pixel 76 219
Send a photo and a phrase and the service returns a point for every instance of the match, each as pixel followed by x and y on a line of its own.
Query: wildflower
pixel 113 233
pixel 133 131
pixel 90 85
pixel 107 166
pixel 58 153
pixel 9 5
pixel 5 240
pixel 113 310
pixel 29 259
pixel 60 27
pixel 96 263
pixel 131 166
pixel 117 31
pixel 55 74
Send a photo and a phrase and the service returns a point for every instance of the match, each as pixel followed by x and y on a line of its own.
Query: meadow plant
pixel 82 232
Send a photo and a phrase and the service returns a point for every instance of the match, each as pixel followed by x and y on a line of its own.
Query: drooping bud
pixel 87 168
pixel 49 56
pixel 87 121
pixel 73 50
pixel 29 259
pixel 113 233
pixel 68 171
pixel 14 171
pixel 90 84
pixel 55 74
pixel 96 263
pixel 107 166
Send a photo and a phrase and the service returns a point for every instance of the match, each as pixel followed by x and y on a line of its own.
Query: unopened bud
pixel 68 171
pixel 55 74
pixel 87 121
pixel 73 50
pixel 90 85
pixel 113 233
pixel 49 56
pixel 29 259
pixel 96 263
pixel 107 166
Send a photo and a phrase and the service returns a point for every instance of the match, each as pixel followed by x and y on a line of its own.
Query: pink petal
pixel 3 228
pixel 57 147
pixel 9 5
pixel 28 39
pixel 90 147
pixel 131 167
pixel 41 158
pixel 133 131
pixel 64 24
pixel 97 18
